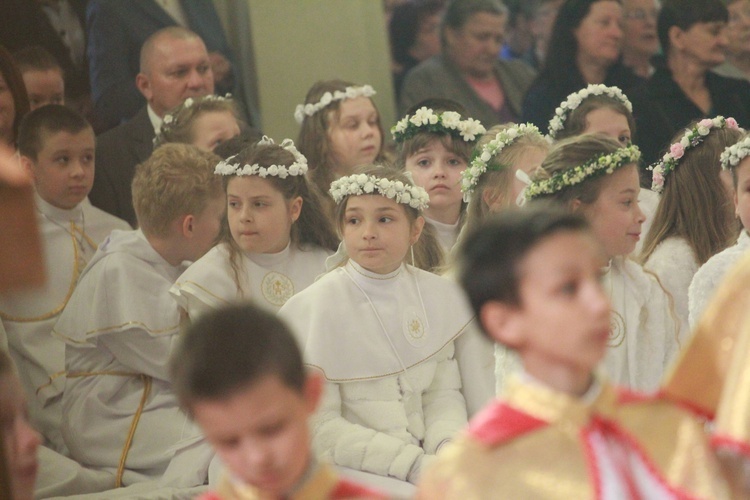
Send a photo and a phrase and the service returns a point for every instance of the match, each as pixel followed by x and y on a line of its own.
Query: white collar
pixel 270 259
pixel 73 214
pixel 155 119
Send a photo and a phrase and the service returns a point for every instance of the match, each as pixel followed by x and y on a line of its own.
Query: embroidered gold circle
pixel 277 288
pixel 414 328
pixel 616 330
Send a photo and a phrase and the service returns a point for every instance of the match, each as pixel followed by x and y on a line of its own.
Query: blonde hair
pixel 176 180
pixel 428 255
pixel 571 153
pixel 312 228
pixel 498 180
pixel 313 140
pixel 183 117
pixel 694 204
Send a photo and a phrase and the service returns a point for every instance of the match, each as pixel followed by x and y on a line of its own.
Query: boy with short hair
pixel 42 76
pixel 735 159
pixel 561 431
pixel 121 325
pixel 56 147
pixel 239 373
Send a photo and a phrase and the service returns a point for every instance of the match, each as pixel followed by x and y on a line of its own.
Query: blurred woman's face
pixel 427 41
pixel 703 43
pixel 475 46
pixel 600 33
pixel 7 112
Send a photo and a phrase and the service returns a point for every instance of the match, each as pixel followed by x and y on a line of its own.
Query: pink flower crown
pixel 692 138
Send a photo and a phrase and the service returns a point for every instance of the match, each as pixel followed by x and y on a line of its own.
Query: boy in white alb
pixel 709 276
pixel 121 325
pixel 57 148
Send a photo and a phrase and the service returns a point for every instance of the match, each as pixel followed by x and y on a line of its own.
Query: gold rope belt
pixel 147 381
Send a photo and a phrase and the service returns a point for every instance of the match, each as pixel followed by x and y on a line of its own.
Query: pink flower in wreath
pixel 706 122
pixel 732 123
pixel 677 150
pixel 657 181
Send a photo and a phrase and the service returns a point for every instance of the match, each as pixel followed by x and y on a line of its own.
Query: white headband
pixel 299 167
pixel 310 109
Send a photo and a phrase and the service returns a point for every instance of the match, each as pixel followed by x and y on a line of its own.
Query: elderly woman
pixel 640 42
pixel 584 49
pixel 693 36
pixel 737 64
pixel 469 71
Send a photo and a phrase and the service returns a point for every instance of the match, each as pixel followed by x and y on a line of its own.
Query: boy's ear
pixel 187 225
pixel 295 208
pixel 313 390
pixel 416 229
pixel 503 323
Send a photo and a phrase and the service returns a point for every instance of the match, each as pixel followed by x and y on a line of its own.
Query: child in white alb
pixel 121 325
pixel 735 159
pixel 598 177
pixel 56 146
pixel 694 219
pixel 435 140
pixel 381 332
pixel 277 237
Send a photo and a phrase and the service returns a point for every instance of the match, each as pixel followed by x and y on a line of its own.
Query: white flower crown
pixel 299 167
pixel 600 165
pixel 479 163
pixel 733 155
pixel 692 138
pixel 359 184
pixel 310 109
pixel 170 119
pixel 448 122
pixel 557 123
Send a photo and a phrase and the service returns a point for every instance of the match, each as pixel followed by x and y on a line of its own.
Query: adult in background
pixel 584 49
pixel 468 71
pixel 641 41
pixel 541 15
pixel 175 65
pixel 683 88
pixel 737 64
pixel 116 33
pixel 14 102
pixel 414 32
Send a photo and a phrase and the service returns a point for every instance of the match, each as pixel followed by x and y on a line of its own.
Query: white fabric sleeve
pixel 141 351
pixel 443 405
pixel 344 443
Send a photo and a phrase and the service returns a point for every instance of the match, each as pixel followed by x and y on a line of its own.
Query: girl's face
pixel 438 171
pixel 7 111
pixel 353 134
pixel 528 162
pixel 212 128
pixel 21 440
pixel 609 122
pixel 260 218
pixel 599 35
pixel 378 233
pixel 742 194
pixel 615 216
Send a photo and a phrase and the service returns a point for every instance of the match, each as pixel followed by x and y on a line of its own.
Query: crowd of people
pixel 518 289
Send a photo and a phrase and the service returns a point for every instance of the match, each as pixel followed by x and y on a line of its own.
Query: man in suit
pixel 116 33
pixel 175 65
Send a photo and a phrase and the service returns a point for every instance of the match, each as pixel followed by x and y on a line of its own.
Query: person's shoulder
pixel 139 122
pixel 100 218
pixel 516 66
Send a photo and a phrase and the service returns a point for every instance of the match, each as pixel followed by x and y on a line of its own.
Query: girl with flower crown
pixel 381 332
pixel 275 238
pixel 501 161
pixel 434 142
pixel 694 219
pixel 603 110
pixel 596 176
pixel 735 160
pixel 340 129
pixel 204 122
